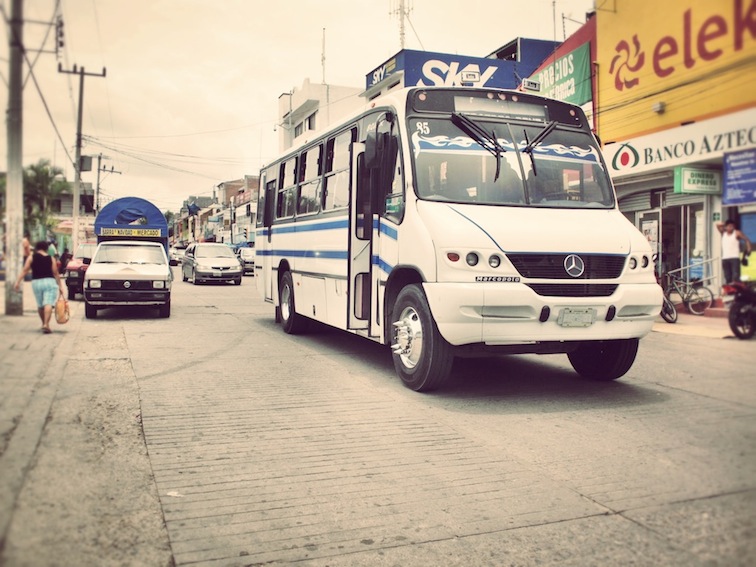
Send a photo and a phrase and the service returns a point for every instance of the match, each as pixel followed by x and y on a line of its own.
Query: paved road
pixel 261 448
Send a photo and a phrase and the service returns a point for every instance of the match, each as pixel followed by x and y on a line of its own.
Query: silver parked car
pixel 247 259
pixel 210 262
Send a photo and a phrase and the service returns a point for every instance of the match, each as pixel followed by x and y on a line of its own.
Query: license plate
pixel 218 273
pixel 577 317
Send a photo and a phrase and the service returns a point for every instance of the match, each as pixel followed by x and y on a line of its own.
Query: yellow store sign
pixel 664 64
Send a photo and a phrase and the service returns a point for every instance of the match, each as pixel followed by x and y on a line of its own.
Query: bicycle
pixel 668 309
pixel 697 298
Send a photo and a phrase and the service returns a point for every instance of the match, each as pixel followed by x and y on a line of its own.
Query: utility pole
pixel 14 188
pixel 97 187
pixel 77 166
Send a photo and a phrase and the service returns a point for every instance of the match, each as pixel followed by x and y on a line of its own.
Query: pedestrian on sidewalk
pixel 46 282
pixel 731 239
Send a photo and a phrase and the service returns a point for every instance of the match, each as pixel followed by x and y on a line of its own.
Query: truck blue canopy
pixel 131 218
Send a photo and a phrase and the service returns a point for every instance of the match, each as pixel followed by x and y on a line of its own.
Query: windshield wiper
pixel 530 145
pixel 476 132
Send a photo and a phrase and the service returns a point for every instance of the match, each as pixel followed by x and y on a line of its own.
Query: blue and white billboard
pixel 739 178
pixel 426 69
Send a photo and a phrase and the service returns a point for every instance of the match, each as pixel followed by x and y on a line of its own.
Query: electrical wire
pixel 36 85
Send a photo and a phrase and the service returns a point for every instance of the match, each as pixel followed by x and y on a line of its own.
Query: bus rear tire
pixel 292 322
pixel 604 360
pixel 422 357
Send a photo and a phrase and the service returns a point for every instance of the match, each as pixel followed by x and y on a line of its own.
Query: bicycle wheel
pixel 668 311
pixel 698 300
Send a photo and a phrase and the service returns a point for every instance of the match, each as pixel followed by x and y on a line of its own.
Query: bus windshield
pixel 536 164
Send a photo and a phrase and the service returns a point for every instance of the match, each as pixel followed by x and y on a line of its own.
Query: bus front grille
pixel 573 290
pixel 552 266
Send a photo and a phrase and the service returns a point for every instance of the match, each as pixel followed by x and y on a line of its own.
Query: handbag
pixel 62 314
pixel 744 260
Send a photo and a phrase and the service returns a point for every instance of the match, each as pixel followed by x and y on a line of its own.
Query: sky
pixel 190 94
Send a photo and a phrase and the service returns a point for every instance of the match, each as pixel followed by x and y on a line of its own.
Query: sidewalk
pixel 696 326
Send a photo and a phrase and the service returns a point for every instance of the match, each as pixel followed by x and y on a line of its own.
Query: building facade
pixel 677 115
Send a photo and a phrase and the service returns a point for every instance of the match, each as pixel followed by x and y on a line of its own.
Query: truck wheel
pixel 164 311
pixel 293 323
pixel 90 311
pixel 604 360
pixel 422 357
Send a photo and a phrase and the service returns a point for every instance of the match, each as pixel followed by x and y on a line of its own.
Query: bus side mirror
pixel 376 143
pixel 373 149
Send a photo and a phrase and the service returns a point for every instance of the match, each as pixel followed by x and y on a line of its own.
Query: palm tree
pixel 43 183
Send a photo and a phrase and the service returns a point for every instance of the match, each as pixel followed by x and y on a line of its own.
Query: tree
pixel 43 183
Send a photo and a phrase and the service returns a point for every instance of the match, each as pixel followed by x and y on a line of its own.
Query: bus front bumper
pixel 513 314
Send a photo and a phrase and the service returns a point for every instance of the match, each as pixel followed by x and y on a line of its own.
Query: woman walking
pixel 46 282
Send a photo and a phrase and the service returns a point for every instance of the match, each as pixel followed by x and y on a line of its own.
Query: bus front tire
pixel 292 322
pixel 422 357
pixel 604 360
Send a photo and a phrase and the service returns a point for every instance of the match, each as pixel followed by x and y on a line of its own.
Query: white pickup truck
pixel 126 273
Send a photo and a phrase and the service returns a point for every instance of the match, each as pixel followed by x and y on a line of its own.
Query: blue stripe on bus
pixel 389 231
pixel 310 227
pixel 327 255
pixel 378 261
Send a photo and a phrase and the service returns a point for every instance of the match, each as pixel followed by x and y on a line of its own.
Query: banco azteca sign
pixel 688 144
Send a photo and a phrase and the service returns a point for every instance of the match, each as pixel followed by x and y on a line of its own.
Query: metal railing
pixel 702 272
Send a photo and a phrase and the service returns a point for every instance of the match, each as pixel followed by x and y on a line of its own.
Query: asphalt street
pixel 212 438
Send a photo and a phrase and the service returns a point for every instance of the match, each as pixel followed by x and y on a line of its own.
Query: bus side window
pixel 309 189
pixel 336 193
pixel 287 189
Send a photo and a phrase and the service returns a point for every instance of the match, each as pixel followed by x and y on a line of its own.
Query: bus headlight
pixel 494 261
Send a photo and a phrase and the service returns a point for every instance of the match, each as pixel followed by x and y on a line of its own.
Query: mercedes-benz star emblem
pixel 127 285
pixel 574 265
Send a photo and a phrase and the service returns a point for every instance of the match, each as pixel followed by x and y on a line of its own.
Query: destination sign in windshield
pixel 500 108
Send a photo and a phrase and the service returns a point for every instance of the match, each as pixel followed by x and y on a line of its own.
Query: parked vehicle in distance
pixel 176 255
pixel 247 260
pixel 128 272
pixel 77 267
pixel 210 262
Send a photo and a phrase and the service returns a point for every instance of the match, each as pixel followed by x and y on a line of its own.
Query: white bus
pixel 451 222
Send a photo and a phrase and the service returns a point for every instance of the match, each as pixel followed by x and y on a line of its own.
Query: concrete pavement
pixel 36 371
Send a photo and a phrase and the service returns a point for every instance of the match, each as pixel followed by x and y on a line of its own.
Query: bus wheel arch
pixel 292 322
pixel 422 357
pixel 399 278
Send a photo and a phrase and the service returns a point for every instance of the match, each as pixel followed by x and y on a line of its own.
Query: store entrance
pixel 683 240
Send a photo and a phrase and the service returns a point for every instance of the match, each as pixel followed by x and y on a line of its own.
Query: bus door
pixel 360 244
pixel 264 276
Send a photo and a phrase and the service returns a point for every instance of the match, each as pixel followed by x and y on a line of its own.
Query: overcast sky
pixel 191 93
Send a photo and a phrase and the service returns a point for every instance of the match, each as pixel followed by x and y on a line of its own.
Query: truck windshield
pixel 533 166
pixel 113 253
